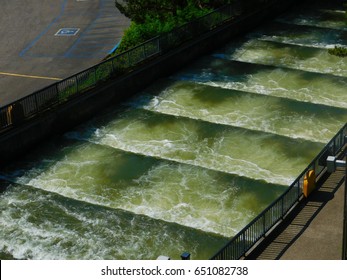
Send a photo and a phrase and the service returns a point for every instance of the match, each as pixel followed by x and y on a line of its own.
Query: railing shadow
pixel 261 226
pixel 294 225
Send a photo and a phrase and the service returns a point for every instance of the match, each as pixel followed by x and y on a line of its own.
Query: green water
pixel 302 35
pixel 191 160
pixel 310 59
pixel 248 153
pixel 308 87
pixel 329 17
pixel 42 225
pixel 218 102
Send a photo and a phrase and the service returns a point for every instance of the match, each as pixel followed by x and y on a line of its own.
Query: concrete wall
pixel 26 135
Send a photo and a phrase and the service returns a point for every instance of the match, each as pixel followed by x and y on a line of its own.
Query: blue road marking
pixel 85 37
pixel 115 47
pixel 67 32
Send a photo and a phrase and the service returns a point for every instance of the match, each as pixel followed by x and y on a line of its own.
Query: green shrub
pixel 138 33
pixel 338 51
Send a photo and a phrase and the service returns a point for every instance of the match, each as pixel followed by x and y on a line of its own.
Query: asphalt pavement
pixel 44 41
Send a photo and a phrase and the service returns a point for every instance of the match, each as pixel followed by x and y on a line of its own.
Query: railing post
pixel 36 104
pixel 128 56
pixel 77 84
pixel 113 68
pixel 158 45
pixel 244 243
pixel 58 93
pixel 344 234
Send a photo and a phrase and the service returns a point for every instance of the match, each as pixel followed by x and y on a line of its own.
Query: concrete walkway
pixel 33 53
pixel 313 231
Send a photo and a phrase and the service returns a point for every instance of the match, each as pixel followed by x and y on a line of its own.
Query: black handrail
pixel 241 243
pixel 344 237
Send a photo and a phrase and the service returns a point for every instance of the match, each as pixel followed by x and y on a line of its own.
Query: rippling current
pixel 192 159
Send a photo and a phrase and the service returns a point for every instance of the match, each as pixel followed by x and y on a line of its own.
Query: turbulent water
pixel 192 159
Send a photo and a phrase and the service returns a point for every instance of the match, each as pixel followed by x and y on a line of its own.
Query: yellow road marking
pixel 29 76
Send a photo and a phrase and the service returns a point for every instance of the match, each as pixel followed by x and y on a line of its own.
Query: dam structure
pixel 188 162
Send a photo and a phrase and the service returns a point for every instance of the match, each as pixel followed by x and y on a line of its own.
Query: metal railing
pixel 344 237
pixel 266 220
pixel 71 87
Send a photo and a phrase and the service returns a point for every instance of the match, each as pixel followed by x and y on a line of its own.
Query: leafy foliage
pixel 151 18
pixel 140 10
pixel 338 51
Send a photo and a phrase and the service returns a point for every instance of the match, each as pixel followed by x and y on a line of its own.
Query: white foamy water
pixel 313 15
pixel 78 230
pixel 217 103
pixel 294 84
pixel 287 55
pixel 189 163
pixel 300 35
pixel 189 196
pixel 209 145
